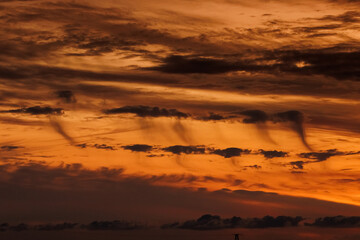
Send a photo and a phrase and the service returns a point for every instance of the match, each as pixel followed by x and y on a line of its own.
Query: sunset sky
pixel 159 111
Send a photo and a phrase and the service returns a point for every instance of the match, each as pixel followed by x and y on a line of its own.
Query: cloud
pixel 187 178
pixel 104 146
pixel 57 126
pixel 259 118
pixel 55 193
pixel 324 155
pixel 230 152
pixel 339 62
pixel 138 148
pixel 185 65
pixel 337 221
pixel 273 154
pixel 298 164
pixel 214 117
pixel 346 17
pixel 66 95
pixel 146 111
pixel 296 119
pixel 37 110
pixel 254 166
pixel 254 116
pixel 9 147
pixel 179 149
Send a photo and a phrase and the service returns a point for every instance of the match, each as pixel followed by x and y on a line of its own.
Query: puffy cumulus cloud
pixel 37 110
pixel 273 153
pixel 337 221
pixel 180 149
pixel 146 111
pixel 213 222
pixel 138 148
pixel 230 152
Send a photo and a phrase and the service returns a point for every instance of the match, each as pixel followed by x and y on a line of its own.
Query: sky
pixel 160 111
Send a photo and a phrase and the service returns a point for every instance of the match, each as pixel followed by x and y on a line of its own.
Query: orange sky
pixel 188 98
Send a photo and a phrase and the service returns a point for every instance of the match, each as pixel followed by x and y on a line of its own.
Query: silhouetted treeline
pixel 209 222
pixel 338 221
pixel 205 222
pixel 112 225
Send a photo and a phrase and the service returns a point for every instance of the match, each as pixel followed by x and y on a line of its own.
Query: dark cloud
pixel 155 155
pixel 296 119
pixel 104 146
pixel 214 117
pixel 52 194
pixel 298 164
pixel 187 178
pixel 337 221
pixel 254 166
pixel 338 62
pixel 324 155
pixel 58 127
pixel 37 110
pixel 213 222
pixel 179 149
pixel 9 147
pixel 273 154
pixel 66 95
pixel 146 111
pixel 81 145
pixel 254 116
pixel 347 17
pixel 186 65
pixel 347 180
pixel 298 172
pixel 138 148
pixel 259 118
pixel 230 152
